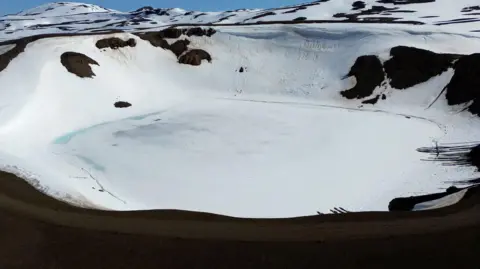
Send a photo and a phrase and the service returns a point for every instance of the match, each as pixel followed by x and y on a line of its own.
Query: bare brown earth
pixel 40 232
pixel 78 64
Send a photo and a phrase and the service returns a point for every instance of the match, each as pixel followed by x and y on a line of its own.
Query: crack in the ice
pixel 102 189
pixel 439 125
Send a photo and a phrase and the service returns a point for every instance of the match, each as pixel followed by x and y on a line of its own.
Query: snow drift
pixel 252 122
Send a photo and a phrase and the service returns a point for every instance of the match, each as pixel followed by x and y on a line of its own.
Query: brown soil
pixel 179 47
pixel 171 32
pixel 155 39
pixel 55 235
pixel 194 57
pixel 115 43
pixel 78 64
pixel 198 31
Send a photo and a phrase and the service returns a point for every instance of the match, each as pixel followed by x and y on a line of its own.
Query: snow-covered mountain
pixel 67 17
pixel 255 113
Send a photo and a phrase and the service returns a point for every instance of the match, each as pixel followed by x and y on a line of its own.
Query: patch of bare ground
pixel 194 57
pixel 115 43
pixel 179 47
pixel 56 235
pixel 155 39
pixel 78 64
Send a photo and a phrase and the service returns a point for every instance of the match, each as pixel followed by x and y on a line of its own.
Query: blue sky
pixel 13 6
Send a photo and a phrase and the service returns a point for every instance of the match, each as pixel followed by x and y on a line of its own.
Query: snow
pixel 442 202
pixel 277 140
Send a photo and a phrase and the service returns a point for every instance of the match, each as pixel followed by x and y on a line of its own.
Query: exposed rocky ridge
pixel 78 64
pixel 385 11
pixel 194 57
pixel 464 86
pixel 410 66
pixel 369 73
pixel 180 47
pixel 115 43
pixel 155 39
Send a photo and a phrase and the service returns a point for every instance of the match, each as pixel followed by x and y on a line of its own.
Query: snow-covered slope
pixel 67 17
pixel 260 131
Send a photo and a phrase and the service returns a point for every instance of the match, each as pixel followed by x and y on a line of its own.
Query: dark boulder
pixel 409 66
pixel 198 31
pixel 122 104
pixel 194 57
pixel 155 39
pixel 78 64
pixel 179 47
pixel 115 43
pixel 369 74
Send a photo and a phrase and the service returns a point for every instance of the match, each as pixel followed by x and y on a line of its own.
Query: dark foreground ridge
pixel 78 64
pixel 56 235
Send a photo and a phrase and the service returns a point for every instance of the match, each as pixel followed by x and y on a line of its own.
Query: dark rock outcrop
pixel 171 33
pixel 369 74
pixel 358 5
pixel 465 83
pixel 155 39
pixel 179 47
pixel 194 57
pixel 122 104
pixel 270 13
pixel 410 66
pixel 198 31
pixel 115 43
pixel 8 56
pixel 78 64
pixel 471 8
pixel 300 19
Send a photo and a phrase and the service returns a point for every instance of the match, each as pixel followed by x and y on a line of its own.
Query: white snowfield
pixel 277 140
